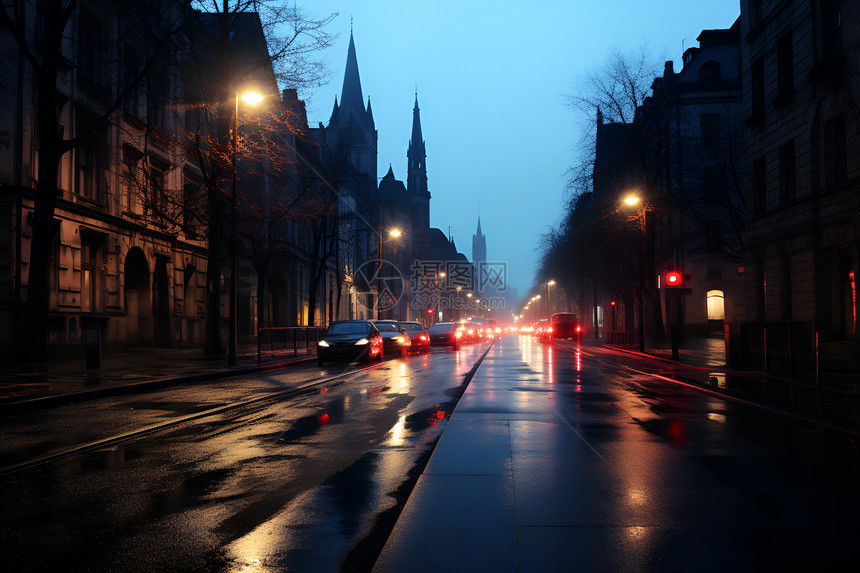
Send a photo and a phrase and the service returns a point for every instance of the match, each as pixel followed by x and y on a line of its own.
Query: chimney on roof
pixel 668 69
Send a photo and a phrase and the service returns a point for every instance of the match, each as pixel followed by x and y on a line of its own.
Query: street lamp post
pixel 394 234
pixel 631 201
pixel 549 297
pixel 252 98
pixel 436 275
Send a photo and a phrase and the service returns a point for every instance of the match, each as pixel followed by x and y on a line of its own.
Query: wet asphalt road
pixel 556 459
pixel 304 484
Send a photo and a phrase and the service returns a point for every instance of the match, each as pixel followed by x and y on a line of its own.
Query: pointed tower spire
pixel 351 96
pixel 416 174
pixel 416 144
pixel 416 153
pixel 479 247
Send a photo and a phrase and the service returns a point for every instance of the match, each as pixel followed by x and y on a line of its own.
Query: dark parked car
pixel 565 325
pixel 418 334
pixel 446 334
pixel 395 339
pixel 350 340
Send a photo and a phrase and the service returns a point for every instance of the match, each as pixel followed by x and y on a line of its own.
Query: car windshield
pixel 387 327
pixel 441 328
pixel 559 318
pixel 347 328
pixel 414 327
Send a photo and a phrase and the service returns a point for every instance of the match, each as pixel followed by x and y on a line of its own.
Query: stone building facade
pixel 130 244
pixel 802 172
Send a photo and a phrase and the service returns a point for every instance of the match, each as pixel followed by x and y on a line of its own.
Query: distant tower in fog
pixel 479 246
pixel 479 252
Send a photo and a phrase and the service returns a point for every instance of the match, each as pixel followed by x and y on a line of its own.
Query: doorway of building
pixel 161 302
pixel 138 312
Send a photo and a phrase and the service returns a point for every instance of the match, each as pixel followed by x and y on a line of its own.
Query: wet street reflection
pixel 297 485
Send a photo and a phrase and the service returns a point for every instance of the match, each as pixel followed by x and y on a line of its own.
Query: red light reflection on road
pixel 323 419
pixel 677 433
pixel 549 364
pixel 577 356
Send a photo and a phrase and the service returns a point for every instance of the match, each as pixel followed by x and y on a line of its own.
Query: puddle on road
pixel 333 412
pixel 189 493
pixel 428 417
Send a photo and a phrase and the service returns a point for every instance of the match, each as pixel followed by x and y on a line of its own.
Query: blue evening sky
pixel 492 79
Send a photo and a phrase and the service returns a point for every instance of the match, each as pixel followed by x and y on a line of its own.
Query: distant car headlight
pixel 362 342
pixel 323 343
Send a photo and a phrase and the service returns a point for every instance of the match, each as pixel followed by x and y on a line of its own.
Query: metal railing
pixel 619 338
pixel 276 339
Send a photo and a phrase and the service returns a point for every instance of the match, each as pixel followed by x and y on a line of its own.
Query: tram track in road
pixel 304 388
pixel 295 391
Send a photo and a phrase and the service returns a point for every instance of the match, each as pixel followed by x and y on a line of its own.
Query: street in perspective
pixel 484 286
pixel 514 454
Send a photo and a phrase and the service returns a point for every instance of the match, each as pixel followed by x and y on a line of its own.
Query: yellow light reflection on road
pixel 397 432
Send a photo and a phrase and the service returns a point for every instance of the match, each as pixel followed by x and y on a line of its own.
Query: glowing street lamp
pixel 634 201
pixel 549 297
pixel 252 98
pixel 394 234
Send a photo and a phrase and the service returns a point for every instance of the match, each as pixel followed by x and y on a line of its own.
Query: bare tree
pixel 609 93
pixel 238 42
pixel 613 161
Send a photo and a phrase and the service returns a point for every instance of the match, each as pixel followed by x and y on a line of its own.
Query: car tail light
pixel 579 329
pixel 458 334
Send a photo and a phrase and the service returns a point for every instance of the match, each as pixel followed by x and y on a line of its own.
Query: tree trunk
pixel 50 151
pixel 213 344
pixel 262 299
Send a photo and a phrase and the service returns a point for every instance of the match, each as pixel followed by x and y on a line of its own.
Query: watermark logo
pixel 383 279
pixel 493 277
pixel 460 285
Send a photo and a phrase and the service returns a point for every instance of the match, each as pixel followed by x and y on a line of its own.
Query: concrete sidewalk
pixel 66 377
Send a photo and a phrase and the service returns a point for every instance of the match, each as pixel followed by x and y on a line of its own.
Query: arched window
pixel 716 307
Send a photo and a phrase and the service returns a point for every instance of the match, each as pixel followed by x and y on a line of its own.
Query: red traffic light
pixel 674 279
pixel 429 311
